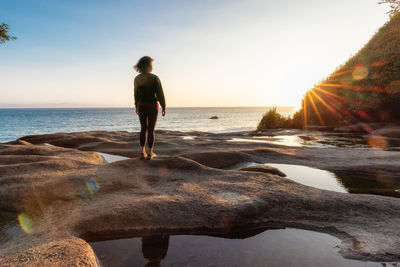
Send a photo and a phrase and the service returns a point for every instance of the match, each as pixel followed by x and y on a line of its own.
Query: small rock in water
pixel 214 118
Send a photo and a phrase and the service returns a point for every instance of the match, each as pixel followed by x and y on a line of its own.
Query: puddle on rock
pixel 109 158
pixel 287 140
pixel 383 184
pixel 304 175
pixel 9 227
pixel 314 140
pixel 285 247
pixel 324 139
pixel 310 176
pixel 188 137
pixel 112 158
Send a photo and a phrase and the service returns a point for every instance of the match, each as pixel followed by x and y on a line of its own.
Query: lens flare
pixel 367 128
pixel 360 72
pixel 379 63
pixel 315 109
pixel 363 114
pixel 377 141
pixel 305 112
pixel 331 94
pixel 393 87
pixel 325 104
pixel 337 74
pixel 92 186
pixel 333 85
pixel 26 223
pixel 378 89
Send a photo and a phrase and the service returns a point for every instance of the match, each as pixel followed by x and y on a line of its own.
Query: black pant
pixel 148 118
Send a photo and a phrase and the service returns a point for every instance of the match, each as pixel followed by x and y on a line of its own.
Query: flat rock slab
pixel 68 192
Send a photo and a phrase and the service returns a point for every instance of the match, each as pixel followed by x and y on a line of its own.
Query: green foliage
pixel 297 120
pixel 394 5
pixel 272 120
pixel 4 36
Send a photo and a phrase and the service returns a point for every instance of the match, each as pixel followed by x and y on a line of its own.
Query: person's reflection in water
pixel 155 249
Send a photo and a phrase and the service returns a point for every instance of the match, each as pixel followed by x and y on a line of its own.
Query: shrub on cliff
pixel 272 120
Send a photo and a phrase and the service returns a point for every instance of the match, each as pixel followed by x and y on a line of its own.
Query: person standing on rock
pixel 148 92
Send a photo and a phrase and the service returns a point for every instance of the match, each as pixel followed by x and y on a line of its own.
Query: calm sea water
pixel 15 123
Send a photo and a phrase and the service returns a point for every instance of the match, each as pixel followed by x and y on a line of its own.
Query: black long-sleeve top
pixel 148 89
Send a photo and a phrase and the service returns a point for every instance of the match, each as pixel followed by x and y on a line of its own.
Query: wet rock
pixel 319 128
pixel 213 117
pixel 275 132
pixel 360 127
pixel 308 138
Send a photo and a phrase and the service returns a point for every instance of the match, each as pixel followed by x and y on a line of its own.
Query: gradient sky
pixel 207 53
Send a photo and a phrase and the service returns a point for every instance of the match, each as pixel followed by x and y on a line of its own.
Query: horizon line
pixel 113 107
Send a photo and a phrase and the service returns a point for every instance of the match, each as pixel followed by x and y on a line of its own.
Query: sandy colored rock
pixel 66 252
pixel 68 192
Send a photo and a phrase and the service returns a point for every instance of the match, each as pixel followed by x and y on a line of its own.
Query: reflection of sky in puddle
pixel 109 158
pixel 9 227
pixel 310 176
pixel 287 140
pixel 189 137
pixel 112 158
pixel 286 247
pixel 318 139
pixel 375 183
pixel 304 175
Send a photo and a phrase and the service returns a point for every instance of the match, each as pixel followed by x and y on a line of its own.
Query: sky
pixel 207 53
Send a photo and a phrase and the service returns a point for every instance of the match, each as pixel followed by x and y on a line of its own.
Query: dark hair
pixel 143 64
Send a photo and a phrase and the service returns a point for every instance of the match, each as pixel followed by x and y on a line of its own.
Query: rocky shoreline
pixel 71 194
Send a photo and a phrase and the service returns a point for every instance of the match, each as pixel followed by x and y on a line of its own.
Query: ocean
pixel 18 122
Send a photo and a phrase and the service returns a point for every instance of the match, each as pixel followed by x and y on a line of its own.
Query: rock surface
pixel 393 132
pixel 66 252
pixel 69 191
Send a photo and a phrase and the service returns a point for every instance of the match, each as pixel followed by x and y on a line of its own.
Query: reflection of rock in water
pixel 378 183
pixel 243 232
pixel 155 249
